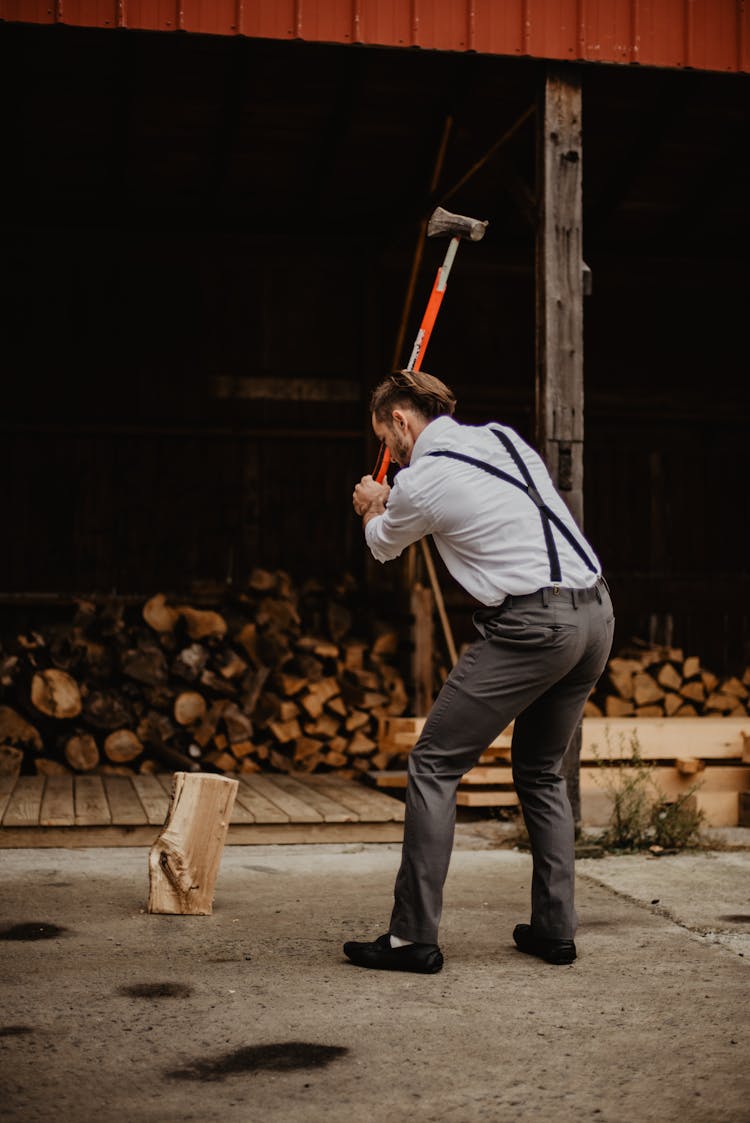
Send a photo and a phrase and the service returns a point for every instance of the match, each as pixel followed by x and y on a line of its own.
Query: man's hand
pixel 370 498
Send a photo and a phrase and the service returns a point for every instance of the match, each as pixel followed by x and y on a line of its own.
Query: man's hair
pixel 415 390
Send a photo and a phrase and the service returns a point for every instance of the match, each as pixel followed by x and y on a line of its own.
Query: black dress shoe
pixel 546 947
pixel 424 959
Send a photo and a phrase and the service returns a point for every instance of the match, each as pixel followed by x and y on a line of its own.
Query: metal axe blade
pixel 444 224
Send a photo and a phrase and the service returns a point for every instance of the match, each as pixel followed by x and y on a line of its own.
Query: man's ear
pixel 400 420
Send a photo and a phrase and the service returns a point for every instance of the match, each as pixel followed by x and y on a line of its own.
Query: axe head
pixel 444 224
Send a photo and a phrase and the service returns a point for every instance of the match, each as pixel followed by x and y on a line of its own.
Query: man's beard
pixel 401 451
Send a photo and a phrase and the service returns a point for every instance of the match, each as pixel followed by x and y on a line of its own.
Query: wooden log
pixel 288 711
pixel 691 667
pixel 649 711
pixel 190 663
pixel 106 710
pixel 622 681
pixel 202 624
pixel 645 690
pixel 356 720
pixel 591 709
pixel 122 745
pixel 217 684
pixel 262 581
pixel 184 860
pixel 325 689
pixel 289 685
pixel 360 745
pixel 159 615
pixel 338 706
pixel 247 638
pixel 11 760
pixel 247 764
pixel 617 707
pixel 205 731
pixel 687 709
pixel 326 726
pixel 55 694
pixel 237 724
pixel 230 665
pixel 735 687
pixel 719 702
pixel 44 767
pixel 695 691
pixel 285 731
pixel 669 677
pixel 222 760
pixel 16 730
pixel 82 752
pixel 672 703
pixel 689 766
pixel 335 759
pixel 145 663
pixel 312 705
pixel 305 747
pixel 189 707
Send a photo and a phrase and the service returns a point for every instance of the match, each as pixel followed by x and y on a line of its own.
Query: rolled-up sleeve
pixel 403 523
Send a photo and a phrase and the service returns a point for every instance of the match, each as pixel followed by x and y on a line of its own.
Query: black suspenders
pixel 547 516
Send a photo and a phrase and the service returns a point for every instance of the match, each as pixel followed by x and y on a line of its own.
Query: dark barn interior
pixel 207 243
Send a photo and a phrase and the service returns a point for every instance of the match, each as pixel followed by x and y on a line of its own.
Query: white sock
pixel 397 942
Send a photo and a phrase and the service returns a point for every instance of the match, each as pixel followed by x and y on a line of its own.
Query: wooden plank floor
pixel 76 811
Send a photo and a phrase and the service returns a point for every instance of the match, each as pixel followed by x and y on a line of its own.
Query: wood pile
pixel 271 678
pixel 664 682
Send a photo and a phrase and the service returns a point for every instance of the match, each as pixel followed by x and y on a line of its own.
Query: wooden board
pixel 57 809
pixel 7 784
pixel 262 809
pixel 25 802
pixel 92 808
pixel 498 777
pixel 331 810
pixel 154 800
pixel 479 798
pixel 125 807
pixel 717 795
pixel 707 738
pixel 289 803
pixel 367 804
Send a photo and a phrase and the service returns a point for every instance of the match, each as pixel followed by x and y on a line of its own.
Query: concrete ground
pixel 253 1014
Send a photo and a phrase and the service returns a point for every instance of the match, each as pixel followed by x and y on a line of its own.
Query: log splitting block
pixel 442 224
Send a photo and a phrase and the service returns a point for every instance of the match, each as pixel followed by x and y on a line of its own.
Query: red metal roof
pixel 704 34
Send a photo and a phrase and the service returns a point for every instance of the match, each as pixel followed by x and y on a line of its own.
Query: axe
pixel 442 224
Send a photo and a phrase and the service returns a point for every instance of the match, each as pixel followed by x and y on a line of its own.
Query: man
pixel 546 626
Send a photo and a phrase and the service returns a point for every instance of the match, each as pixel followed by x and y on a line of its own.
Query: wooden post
pixel 184 860
pixel 423 633
pixel 559 309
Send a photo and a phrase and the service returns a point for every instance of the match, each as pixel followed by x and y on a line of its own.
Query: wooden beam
pixel 559 310
pixel 559 285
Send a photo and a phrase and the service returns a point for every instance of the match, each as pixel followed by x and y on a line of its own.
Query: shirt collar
pixel 431 436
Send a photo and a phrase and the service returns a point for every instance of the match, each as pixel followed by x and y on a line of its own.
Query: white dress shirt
pixel 488 532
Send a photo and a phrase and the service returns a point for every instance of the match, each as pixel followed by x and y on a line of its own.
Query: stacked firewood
pixel 270 678
pixel 663 682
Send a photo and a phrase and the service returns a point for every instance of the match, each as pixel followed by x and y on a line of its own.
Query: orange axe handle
pixel 441 223
pixel 421 341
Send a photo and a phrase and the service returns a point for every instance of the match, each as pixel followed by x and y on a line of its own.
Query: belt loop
pixel 574 598
pixel 598 592
pixel 545 597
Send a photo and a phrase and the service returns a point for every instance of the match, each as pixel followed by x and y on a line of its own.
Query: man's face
pixel 396 435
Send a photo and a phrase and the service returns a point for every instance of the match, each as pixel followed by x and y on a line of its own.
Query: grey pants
pixel 537 662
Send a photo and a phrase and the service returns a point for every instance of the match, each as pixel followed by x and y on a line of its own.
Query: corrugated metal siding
pixel 704 34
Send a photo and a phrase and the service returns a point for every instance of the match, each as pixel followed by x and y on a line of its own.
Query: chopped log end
pixel 55 694
pixel 82 752
pixel 122 745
